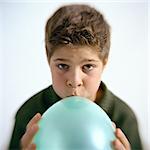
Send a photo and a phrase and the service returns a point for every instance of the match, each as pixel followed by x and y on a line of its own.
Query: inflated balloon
pixel 74 123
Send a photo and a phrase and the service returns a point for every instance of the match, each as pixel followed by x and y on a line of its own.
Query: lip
pixel 73 94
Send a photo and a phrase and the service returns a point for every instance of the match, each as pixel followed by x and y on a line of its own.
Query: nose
pixel 75 79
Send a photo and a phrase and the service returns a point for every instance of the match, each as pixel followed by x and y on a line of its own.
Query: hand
pixel 121 143
pixel 31 130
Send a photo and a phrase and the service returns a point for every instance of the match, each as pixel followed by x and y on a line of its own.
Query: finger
pixel 114 125
pixel 34 120
pixel 117 145
pixel 28 136
pixel 31 147
pixel 120 135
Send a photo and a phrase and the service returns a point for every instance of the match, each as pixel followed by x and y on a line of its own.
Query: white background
pixel 24 69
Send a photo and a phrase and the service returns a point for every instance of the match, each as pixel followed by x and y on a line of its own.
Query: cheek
pixel 95 76
pixel 57 79
pixel 93 81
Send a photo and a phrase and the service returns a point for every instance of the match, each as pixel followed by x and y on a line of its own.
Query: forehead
pixel 76 52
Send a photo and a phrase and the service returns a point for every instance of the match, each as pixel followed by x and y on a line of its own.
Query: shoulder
pixel 34 104
pixel 121 108
pixel 123 115
pixel 115 107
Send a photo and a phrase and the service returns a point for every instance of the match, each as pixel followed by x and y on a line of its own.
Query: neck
pixel 99 95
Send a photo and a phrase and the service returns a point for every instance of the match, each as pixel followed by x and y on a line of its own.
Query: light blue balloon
pixel 75 123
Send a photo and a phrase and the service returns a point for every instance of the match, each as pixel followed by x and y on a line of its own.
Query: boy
pixel 77 40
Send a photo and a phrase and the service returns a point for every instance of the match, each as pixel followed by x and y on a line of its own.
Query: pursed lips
pixel 74 93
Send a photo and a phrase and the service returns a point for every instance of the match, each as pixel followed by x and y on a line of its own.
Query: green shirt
pixel 118 111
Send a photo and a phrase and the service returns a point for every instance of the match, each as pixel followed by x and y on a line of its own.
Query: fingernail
pixel 38 115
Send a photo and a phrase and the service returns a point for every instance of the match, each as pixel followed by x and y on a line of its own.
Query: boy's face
pixel 76 71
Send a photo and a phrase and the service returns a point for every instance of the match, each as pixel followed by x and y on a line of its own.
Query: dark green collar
pixel 106 101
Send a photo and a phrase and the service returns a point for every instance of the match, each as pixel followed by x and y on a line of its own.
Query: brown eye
pixel 88 67
pixel 63 66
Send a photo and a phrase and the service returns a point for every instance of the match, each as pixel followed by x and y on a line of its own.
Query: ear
pixel 105 62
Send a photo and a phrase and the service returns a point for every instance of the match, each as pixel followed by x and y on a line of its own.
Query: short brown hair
pixel 77 25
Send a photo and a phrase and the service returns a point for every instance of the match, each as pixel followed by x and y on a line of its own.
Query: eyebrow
pixel 84 60
pixel 61 59
pixel 90 60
